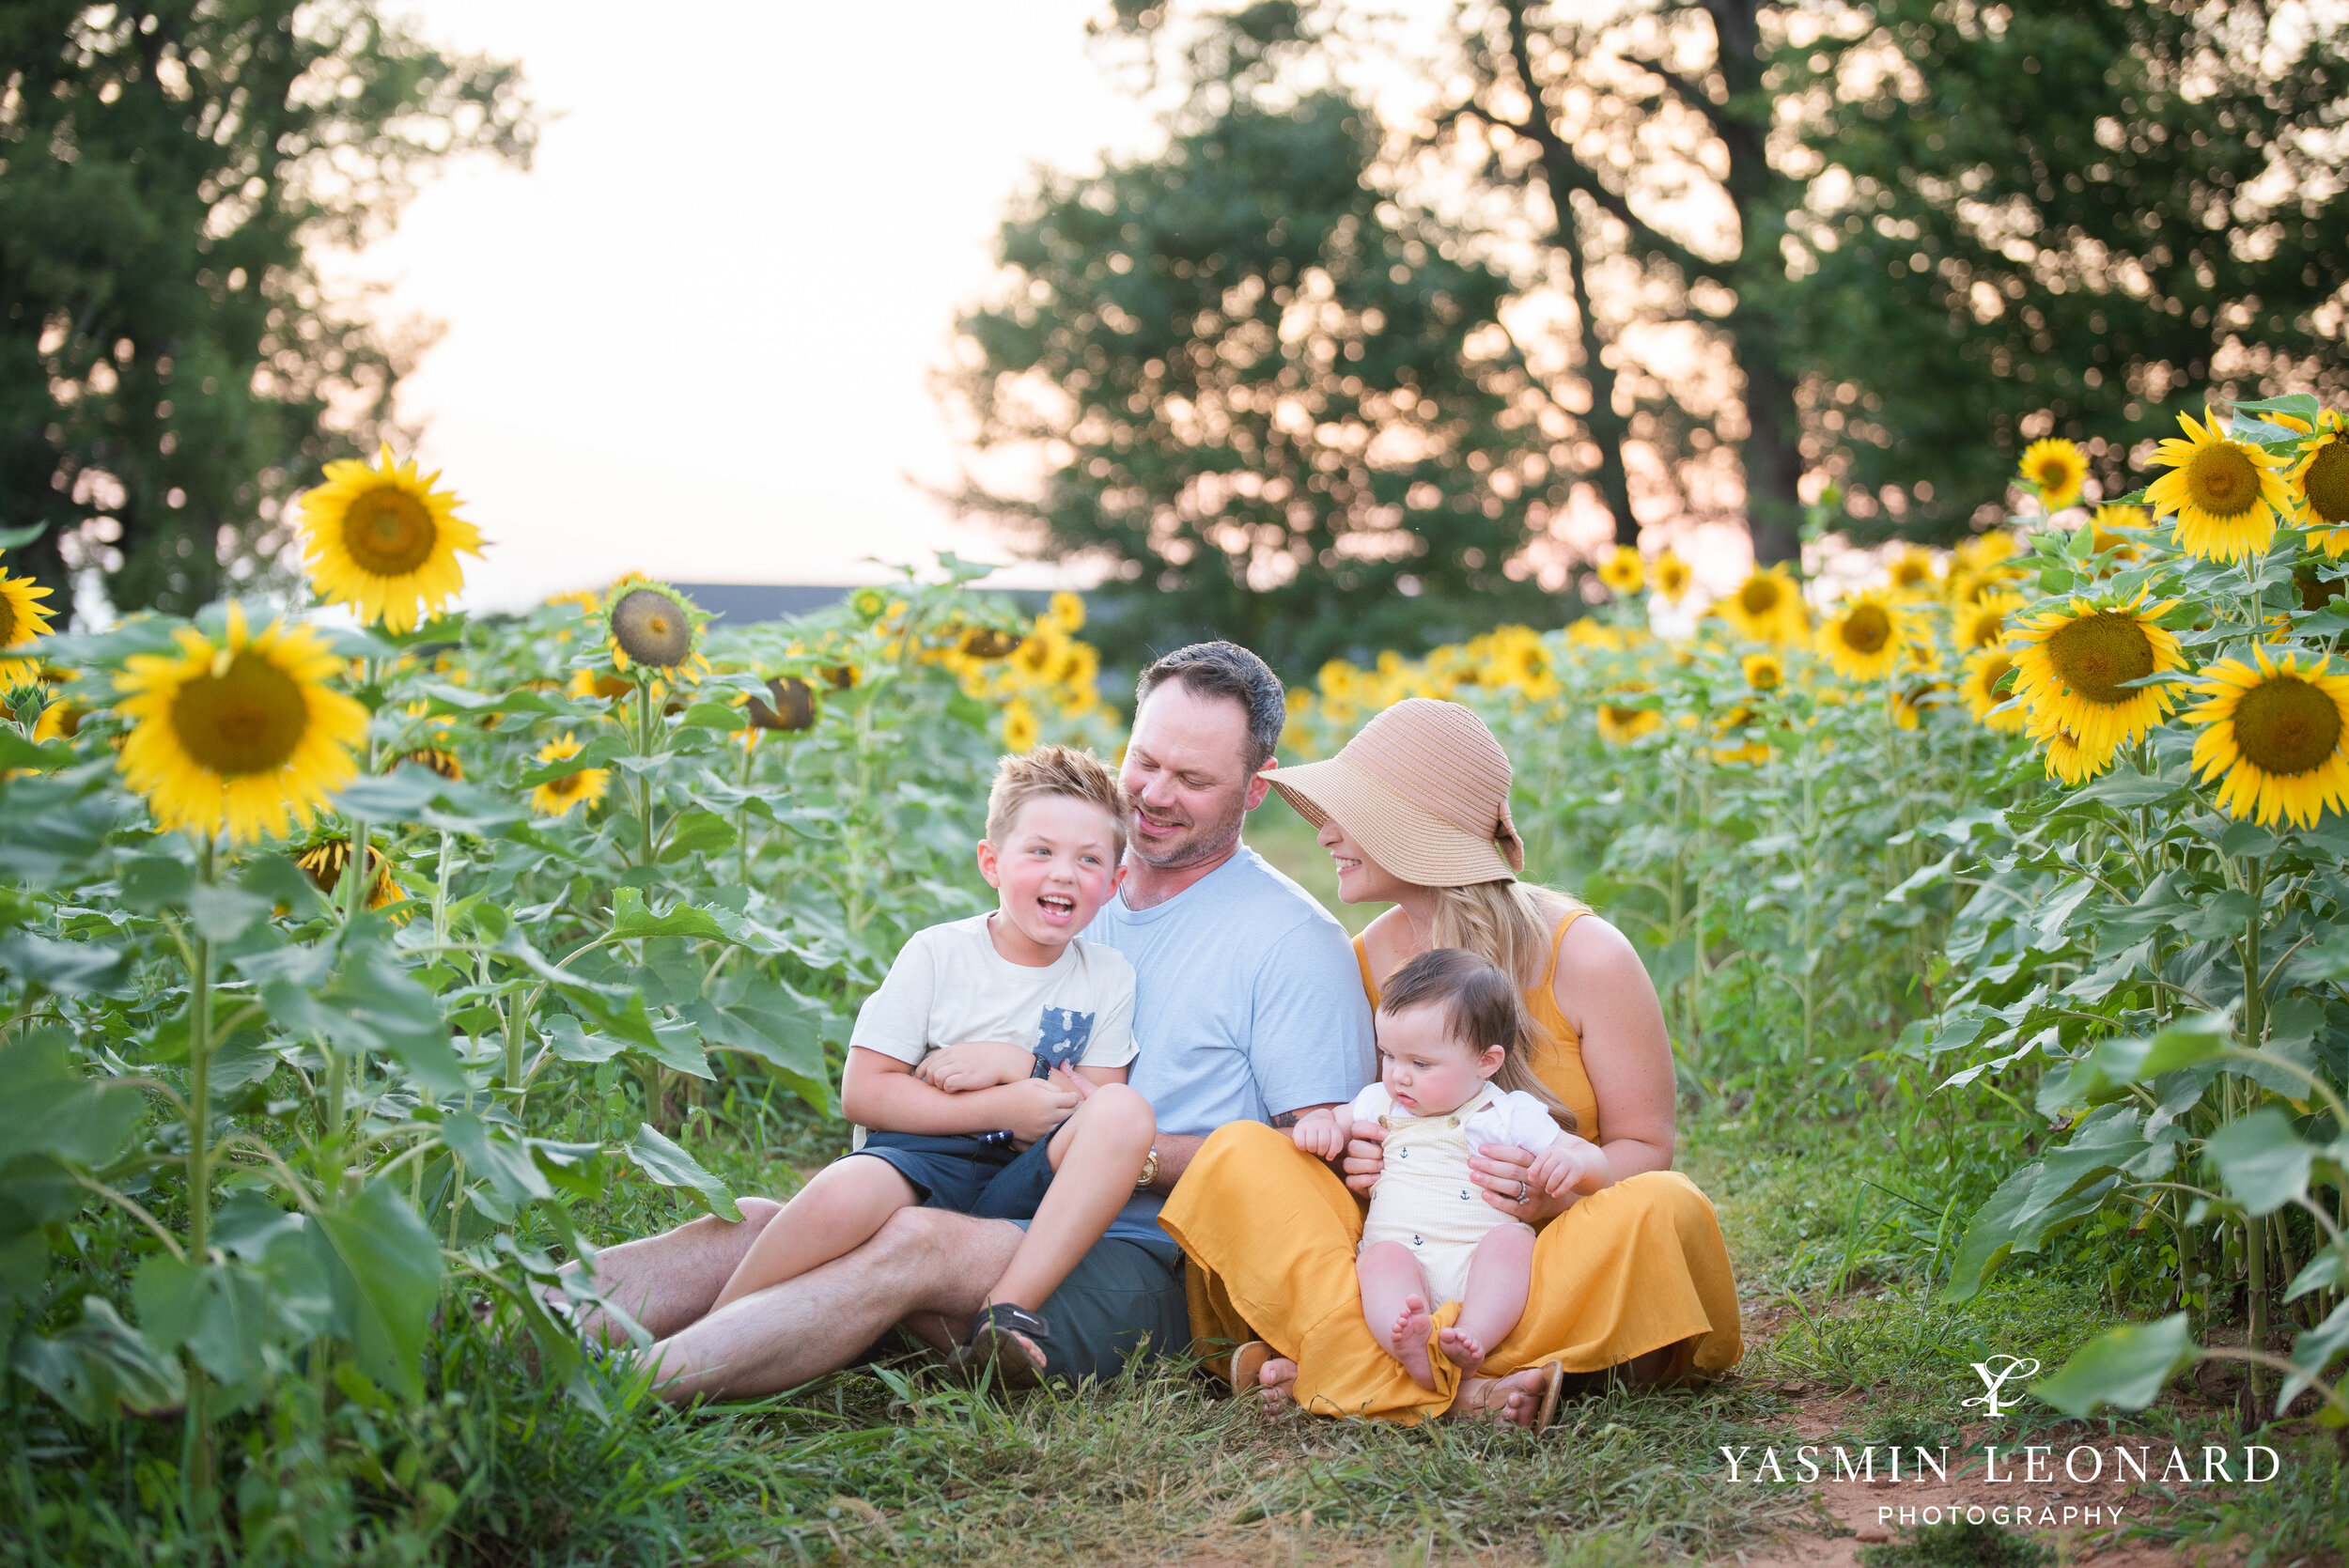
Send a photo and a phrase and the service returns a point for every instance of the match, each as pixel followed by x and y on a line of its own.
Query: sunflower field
pixel 356 978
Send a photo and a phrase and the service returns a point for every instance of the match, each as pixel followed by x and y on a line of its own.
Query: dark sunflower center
pixel 1758 596
pixel 2222 481
pixel 1983 630
pixel 1622 716
pixel 567 786
pixel 246 719
pixel 1993 670
pixel 389 532
pixel 9 622
pixel 2285 725
pixel 794 706
pixel 651 630
pixel 1867 628
pixel 2315 592
pixel 2097 654
pixel 2054 473
pixel 1767 676
pixel 2327 482
pixel 1909 574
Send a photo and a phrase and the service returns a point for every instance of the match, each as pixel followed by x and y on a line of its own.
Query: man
pixel 1248 1004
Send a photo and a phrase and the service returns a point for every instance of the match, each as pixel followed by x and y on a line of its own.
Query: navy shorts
pixel 969 1175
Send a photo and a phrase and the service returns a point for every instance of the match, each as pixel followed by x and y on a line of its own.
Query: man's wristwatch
pixel 1149 1168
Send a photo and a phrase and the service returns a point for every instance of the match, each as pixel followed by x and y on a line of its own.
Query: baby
pixel 1453 1042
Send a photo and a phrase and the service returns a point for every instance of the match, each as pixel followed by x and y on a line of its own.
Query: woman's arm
pixel 1605 993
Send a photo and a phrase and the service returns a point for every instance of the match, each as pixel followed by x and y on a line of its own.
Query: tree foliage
pixel 2062 218
pixel 171 366
pixel 1277 404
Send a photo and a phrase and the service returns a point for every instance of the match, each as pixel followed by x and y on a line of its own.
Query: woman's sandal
pixel 1553 1384
pixel 994 1341
pixel 1246 1365
pixel 1491 1404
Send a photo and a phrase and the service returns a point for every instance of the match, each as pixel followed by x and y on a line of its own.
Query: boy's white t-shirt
pixel 949 984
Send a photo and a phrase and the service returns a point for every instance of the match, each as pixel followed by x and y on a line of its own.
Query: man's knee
pixel 913 1241
pixel 758 1211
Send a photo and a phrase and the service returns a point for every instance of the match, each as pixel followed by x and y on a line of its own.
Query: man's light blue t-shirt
pixel 1248 1002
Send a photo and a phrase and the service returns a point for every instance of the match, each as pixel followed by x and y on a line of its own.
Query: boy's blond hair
pixel 1055 771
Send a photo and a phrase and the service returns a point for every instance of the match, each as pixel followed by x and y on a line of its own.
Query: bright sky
pixel 695 339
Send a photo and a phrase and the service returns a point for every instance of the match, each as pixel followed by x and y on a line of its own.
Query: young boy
pixel 1001 1029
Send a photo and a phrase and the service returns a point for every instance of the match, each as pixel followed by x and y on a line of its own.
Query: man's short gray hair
pixel 1226 670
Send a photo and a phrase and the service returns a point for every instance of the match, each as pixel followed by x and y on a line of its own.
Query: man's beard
pixel 1204 844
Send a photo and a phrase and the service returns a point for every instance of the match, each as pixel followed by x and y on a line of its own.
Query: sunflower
pixel 2111 529
pixel 1984 669
pixel 1517 659
pixel 556 797
pixel 240 735
pixel 1067 611
pixel 579 599
pixel 433 760
pixel 1020 731
pixel 1984 551
pixel 2071 762
pixel 2273 735
pixel 1767 607
pixel 2054 468
pixel 60 720
pixel 1983 623
pixel 598 683
pixel 1622 572
pixel 2227 493
pixel 1863 640
pixel 23 618
pixel 652 624
pixel 1732 726
pixel 788 705
pixel 1671 575
pixel 1913 572
pixel 2073 665
pixel 2321 481
pixel 1621 724
pixel 326 861
pixel 383 541
pixel 1765 672
pixel 986 643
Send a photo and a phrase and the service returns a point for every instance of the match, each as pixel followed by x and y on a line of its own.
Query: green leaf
pixel 97 1364
pixel 570 1043
pixel 2325 1271
pixel 17 538
pixel 1989 1236
pixel 16 752
pixel 371 1004
pixel 151 882
pixel 222 910
pixel 70 969
pixel 671 1166
pixel 2125 1367
pixel 2312 1352
pixel 632 919
pixel 697 833
pixel 55 1107
pixel 417 794
pixel 385 1270
pixel 716 716
pixel 507 1165
pixel 786 1040
pixel 217 1310
pixel 2264 1163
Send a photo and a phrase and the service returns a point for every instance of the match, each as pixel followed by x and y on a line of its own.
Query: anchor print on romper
pixel 1062 1038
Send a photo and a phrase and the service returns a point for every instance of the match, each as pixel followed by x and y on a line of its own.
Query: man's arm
pixel 1175 1149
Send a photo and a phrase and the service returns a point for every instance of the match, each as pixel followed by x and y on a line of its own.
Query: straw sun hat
pixel 1423 788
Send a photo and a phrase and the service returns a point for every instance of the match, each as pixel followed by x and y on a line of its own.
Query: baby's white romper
pixel 1425 1198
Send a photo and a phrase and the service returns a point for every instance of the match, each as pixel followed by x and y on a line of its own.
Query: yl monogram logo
pixel 1992 1382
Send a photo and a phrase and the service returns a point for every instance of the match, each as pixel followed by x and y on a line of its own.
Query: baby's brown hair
pixel 1055 771
pixel 1481 1007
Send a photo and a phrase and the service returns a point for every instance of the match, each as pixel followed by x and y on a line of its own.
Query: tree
pixel 171 367
pixel 2062 218
pixel 1273 402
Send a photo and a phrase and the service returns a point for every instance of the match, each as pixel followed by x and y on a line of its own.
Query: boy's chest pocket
pixel 1062 1038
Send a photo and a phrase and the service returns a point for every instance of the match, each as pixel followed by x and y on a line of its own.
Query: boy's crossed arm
pixel 880 1091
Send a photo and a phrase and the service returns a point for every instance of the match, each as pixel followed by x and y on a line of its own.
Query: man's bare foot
pixel 1460 1350
pixel 1408 1340
pixel 1276 1386
pixel 1514 1400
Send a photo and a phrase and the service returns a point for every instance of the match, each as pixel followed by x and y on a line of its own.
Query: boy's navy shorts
pixel 969 1175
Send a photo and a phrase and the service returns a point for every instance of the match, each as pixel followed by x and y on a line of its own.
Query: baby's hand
pixel 1570 1164
pixel 975 1064
pixel 1319 1134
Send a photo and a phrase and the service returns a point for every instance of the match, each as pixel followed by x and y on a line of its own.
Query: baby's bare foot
pixel 1408 1340
pixel 1276 1386
pixel 1460 1350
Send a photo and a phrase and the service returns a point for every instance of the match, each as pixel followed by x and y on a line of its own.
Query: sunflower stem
pixel 199 1429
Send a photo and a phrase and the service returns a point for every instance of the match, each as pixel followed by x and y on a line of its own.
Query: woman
pixel 1632 1275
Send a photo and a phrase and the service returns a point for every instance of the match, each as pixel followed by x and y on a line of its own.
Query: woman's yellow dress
pixel 1271 1232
